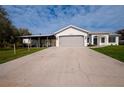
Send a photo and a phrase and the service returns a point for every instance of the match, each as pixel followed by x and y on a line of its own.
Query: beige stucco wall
pixel 106 40
pixel 115 43
pixel 71 31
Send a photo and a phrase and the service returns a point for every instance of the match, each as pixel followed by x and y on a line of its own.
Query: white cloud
pixel 48 19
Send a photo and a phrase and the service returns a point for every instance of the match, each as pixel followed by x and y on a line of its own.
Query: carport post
pixel 39 41
pixel 14 49
pixel 92 40
pixel 47 41
pixel 28 44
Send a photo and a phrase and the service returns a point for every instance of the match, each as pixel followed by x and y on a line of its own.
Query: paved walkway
pixel 63 67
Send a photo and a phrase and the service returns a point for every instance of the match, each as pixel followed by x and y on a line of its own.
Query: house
pixel 72 36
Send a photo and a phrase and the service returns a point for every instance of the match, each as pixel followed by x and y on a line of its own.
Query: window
pixel 111 38
pixel 103 40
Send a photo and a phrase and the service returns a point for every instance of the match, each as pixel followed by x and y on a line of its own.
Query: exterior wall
pixel 71 31
pixel 106 40
pixel 116 41
pixel 57 41
pixel 92 39
pixel 99 43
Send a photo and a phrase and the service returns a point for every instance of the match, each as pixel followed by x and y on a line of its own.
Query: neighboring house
pixel 72 36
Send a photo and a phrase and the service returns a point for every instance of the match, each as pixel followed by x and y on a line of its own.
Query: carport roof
pixel 28 36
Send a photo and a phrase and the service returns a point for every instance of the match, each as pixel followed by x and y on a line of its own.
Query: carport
pixel 39 40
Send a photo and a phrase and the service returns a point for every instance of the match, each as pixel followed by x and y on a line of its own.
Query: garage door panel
pixel 71 41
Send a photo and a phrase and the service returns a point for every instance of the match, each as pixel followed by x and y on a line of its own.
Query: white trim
pixel 71 26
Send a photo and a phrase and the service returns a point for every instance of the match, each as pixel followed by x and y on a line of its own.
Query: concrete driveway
pixel 63 67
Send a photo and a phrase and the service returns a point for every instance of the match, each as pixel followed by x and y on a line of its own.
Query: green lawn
pixel 6 54
pixel 116 52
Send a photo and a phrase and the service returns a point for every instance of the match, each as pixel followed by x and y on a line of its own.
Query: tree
pixel 121 32
pixel 6 28
pixel 9 34
pixel 23 31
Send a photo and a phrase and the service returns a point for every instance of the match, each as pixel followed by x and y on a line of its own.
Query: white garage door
pixel 71 41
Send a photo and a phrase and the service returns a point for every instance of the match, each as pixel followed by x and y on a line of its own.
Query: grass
pixel 116 52
pixel 6 54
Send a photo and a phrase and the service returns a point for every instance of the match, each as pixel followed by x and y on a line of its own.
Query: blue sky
pixel 48 19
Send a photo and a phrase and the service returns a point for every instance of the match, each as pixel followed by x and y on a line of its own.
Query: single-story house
pixel 72 36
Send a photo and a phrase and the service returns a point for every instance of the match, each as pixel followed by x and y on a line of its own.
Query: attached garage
pixel 71 36
pixel 71 41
